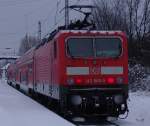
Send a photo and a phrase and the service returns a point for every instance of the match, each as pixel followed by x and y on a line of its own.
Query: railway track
pixel 78 121
pixel 81 121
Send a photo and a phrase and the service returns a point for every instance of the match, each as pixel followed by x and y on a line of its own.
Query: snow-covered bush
pixel 138 79
pixel 146 83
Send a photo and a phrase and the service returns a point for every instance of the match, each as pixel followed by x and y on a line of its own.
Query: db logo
pixel 94 70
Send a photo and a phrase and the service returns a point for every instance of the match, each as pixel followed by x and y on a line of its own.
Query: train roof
pixel 90 31
pixel 62 31
pixel 26 57
pixel 29 54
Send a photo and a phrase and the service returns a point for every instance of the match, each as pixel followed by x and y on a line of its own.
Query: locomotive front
pixel 95 73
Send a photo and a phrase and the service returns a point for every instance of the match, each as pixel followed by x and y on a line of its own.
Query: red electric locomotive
pixel 86 72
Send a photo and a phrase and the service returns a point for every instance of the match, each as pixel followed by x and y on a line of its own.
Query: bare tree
pixel 145 22
pixel 109 15
pixel 136 17
pixel 26 43
pixel 131 16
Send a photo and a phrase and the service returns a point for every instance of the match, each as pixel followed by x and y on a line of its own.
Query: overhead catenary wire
pixel 60 19
pixel 31 11
pixel 51 11
pixel 35 24
pixel 56 22
pixel 43 21
pixel 47 17
pixel 58 3
pixel 55 25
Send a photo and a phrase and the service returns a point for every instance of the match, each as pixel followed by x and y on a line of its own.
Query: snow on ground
pixel 139 115
pixel 16 109
pixel 139 107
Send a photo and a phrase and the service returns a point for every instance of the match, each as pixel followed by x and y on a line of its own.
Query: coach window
pixel 30 68
pixel 27 77
pixel 55 50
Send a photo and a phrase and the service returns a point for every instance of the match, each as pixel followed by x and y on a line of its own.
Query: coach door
pixel 30 75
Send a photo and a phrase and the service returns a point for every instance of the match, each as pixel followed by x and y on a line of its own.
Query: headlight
pixel 118 99
pixel 76 99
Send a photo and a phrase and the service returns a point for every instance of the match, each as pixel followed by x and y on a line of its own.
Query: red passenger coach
pixel 25 71
pixel 11 74
pixel 86 72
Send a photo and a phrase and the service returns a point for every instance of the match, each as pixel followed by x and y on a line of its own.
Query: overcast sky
pixel 20 16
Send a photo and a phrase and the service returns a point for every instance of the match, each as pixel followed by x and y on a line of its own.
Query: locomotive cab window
pixel 80 47
pixel 94 47
pixel 108 47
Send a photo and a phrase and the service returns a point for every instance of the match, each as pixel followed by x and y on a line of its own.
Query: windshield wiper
pixel 68 51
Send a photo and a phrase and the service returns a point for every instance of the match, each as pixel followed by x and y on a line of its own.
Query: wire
pixel 58 3
pixel 29 13
pixel 43 21
pixel 52 27
pixel 63 17
pixel 59 20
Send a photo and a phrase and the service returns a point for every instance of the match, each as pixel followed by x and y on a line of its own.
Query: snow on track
pixel 16 109
pixel 139 110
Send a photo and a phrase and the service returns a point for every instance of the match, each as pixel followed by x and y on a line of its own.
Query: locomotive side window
pixel 24 77
pixel 94 47
pixel 55 50
pixel 108 47
pixel 30 69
